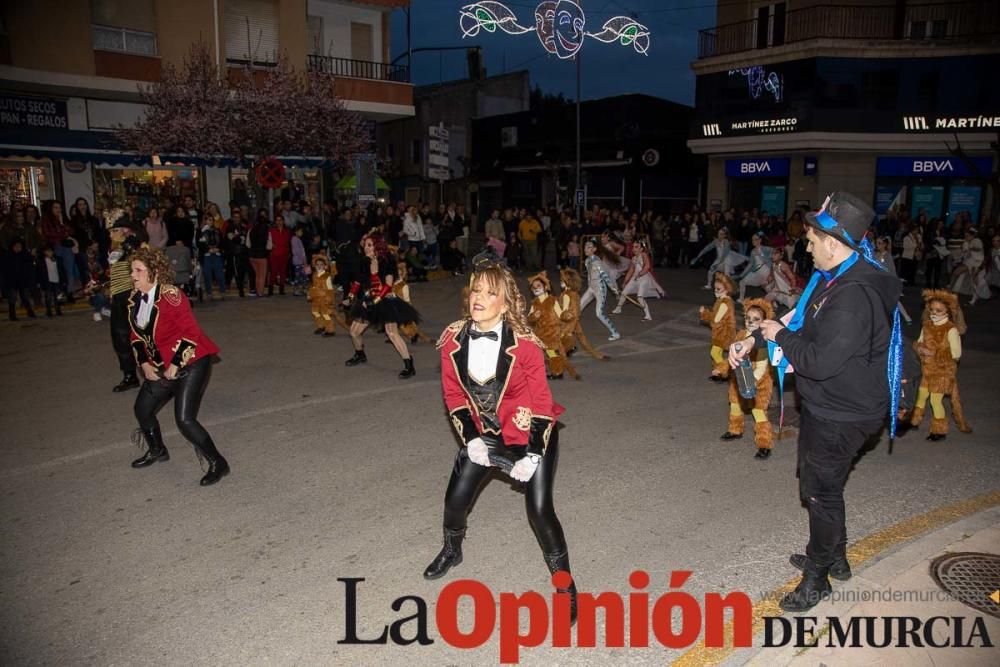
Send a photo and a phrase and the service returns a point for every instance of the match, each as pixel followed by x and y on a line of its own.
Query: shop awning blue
pixel 103 148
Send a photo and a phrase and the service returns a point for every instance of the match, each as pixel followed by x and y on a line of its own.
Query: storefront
pixel 758 182
pixel 301 184
pixel 940 186
pixel 142 188
pixel 26 181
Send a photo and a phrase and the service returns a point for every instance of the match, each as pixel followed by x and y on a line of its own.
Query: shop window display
pixel 25 182
pixel 141 189
pixel 301 185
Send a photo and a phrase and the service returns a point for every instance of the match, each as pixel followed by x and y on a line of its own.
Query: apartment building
pixel 70 71
pixel 796 99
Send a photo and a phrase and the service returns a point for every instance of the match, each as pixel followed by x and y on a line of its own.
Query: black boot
pixel 218 467
pixel 155 450
pixel 449 557
pixel 560 562
pixel 358 358
pixel 812 589
pixel 840 569
pixel 129 381
pixel 408 370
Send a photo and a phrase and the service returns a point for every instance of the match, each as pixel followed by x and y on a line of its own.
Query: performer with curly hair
pixel 722 319
pixel 755 311
pixel 546 322
pixel 640 281
pixel 598 259
pixel 940 348
pixel 162 323
pixel 569 304
pixel 493 380
pixel 371 301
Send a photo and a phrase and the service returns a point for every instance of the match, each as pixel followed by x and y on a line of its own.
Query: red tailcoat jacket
pixel 172 336
pixel 525 409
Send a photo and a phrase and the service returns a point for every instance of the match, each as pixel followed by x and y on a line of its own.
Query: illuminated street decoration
pixel 559 24
pixel 758 82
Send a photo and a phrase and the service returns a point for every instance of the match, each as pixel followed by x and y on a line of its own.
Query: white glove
pixel 525 468
pixel 478 453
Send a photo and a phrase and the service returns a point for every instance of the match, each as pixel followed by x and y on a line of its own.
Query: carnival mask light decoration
pixel 559 24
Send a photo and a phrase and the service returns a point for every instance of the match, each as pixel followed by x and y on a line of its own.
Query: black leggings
pixel 186 392
pixel 468 478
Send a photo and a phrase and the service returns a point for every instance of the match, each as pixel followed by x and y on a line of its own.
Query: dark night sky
pixel 608 69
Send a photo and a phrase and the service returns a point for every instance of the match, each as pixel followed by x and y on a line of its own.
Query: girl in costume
pixel 546 323
pixel 599 281
pixel 722 319
pixel 758 269
pixel 755 311
pixel 640 281
pixel 615 262
pixel 569 303
pixel 970 264
pixel 371 301
pixel 402 290
pixel 993 279
pixel 321 297
pixel 726 259
pixel 493 380
pixel 782 287
pixel 940 348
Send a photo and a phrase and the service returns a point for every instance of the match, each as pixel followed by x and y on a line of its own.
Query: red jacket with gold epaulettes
pixel 525 409
pixel 172 335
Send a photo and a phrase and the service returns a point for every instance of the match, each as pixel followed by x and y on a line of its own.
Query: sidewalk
pixel 905 571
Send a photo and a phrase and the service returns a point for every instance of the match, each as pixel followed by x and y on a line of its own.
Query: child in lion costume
pixel 545 320
pixel 755 311
pixel 321 297
pixel 722 319
pixel 569 303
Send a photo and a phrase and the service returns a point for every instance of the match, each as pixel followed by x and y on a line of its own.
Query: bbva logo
pixel 932 166
pixel 754 167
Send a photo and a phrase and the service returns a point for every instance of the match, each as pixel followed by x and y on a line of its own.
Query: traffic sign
pixel 438 173
pixel 438 132
pixel 581 197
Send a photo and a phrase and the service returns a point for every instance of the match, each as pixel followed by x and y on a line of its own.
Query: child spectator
pixel 51 277
pixel 18 278
pixel 416 265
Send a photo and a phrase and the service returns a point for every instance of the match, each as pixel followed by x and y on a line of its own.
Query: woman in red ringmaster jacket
pixel 498 398
pixel 175 358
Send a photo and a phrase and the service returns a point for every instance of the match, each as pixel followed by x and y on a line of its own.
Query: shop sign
pixel 932 166
pixel 758 167
pixel 19 111
pixel 756 126
pixel 75 167
pixel 931 123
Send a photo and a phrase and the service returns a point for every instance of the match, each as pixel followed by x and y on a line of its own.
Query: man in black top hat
pixel 843 343
pixel 128 236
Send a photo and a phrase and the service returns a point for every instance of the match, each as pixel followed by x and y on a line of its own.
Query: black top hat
pixel 125 223
pixel 844 217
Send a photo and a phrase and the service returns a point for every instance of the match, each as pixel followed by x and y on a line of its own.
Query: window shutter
pixel 262 18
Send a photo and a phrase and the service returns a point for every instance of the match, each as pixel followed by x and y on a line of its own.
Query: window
pixel 361 42
pixel 770 25
pixel 125 27
pixel 315 28
pixel 928 29
pixel 251 31
pixel 416 152
pixel 390 151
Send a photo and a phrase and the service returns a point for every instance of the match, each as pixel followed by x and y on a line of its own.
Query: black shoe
pixel 812 589
pixel 318 331
pixel 281 290
pixel 839 570
pixel 449 556
pixel 270 291
pixel 408 370
pixel 217 469
pixel 155 450
pixel 358 358
pixel 762 453
pixel 559 562
pixel 329 334
pixel 554 377
pixel 717 378
pixel 935 437
pixel 729 435
pixel 128 382
pixel 414 338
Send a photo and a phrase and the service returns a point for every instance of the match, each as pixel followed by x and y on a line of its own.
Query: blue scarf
pixel 894 369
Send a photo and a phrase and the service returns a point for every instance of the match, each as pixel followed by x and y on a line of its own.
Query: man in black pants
pixel 125 233
pixel 844 345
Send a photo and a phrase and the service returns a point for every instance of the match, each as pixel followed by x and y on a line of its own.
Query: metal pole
pixel 579 184
pixel 409 45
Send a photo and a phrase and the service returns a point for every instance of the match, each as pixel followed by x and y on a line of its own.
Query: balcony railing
pixel 941 21
pixel 359 69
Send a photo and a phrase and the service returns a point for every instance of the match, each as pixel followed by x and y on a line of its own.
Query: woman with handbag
pixel 162 323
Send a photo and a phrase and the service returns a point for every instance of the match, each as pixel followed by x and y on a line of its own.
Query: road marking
pixel 864 550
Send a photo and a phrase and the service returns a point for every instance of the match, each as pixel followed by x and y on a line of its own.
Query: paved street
pixel 341 472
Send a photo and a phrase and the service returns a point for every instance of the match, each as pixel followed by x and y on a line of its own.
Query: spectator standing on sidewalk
pixel 527 233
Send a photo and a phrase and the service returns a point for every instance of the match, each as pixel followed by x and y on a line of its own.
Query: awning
pixel 351 182
pixel 103 148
